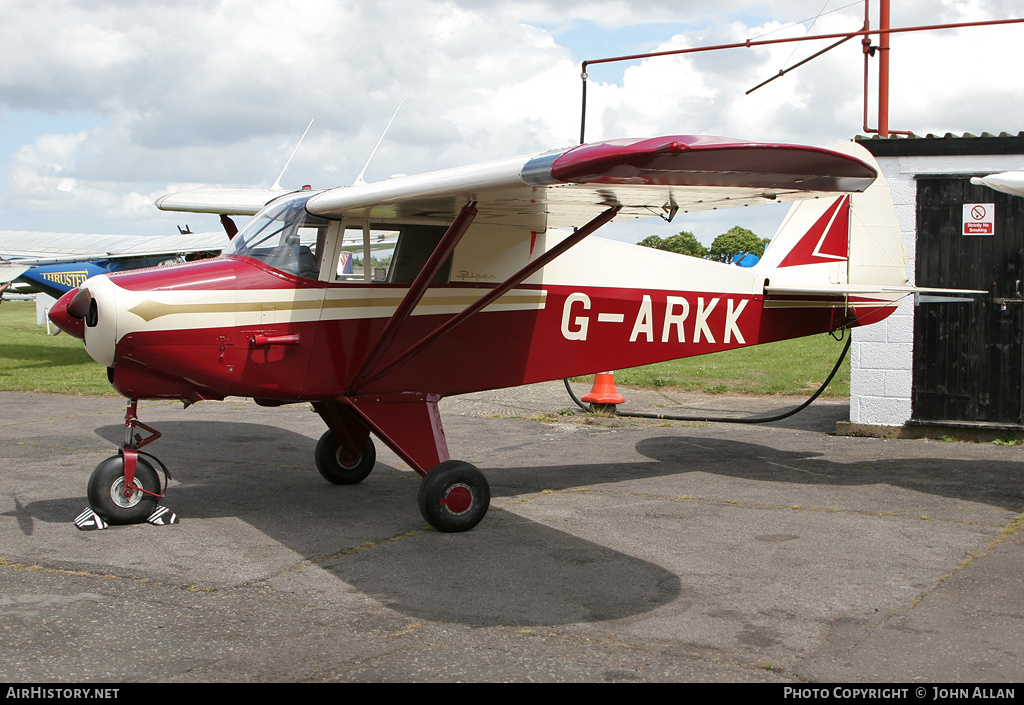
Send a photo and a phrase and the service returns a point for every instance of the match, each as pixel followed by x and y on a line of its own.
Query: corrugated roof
pixel 933 136
pixel 949 144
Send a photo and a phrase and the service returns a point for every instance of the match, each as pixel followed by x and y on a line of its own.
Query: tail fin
pixel 850 244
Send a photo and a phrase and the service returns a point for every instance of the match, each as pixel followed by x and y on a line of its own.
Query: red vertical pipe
pixel 866 44
pixel 883 69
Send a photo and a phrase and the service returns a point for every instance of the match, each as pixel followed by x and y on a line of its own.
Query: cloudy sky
pixel 106 105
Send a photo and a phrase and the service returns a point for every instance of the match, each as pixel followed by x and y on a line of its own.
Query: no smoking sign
pixel 979 219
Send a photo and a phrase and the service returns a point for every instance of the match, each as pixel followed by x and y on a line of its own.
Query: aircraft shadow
pixel 993 483
pixel 558 577
pixel 822 419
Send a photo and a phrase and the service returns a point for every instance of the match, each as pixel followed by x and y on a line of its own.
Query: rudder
pixel 841 243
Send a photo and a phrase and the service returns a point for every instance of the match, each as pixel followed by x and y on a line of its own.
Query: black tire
pixel 336 469
pixel 454 496
pixel 106 483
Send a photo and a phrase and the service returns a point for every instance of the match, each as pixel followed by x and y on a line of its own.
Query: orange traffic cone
pixel 603 396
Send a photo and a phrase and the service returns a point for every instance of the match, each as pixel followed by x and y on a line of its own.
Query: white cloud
pixel 217 91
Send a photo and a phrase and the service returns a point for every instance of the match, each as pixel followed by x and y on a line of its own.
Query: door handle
pixel 263 341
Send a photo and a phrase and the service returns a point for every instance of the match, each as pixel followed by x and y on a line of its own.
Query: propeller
pixel 79 306
pixel 83 306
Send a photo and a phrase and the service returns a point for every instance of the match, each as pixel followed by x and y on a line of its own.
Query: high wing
pixel 220 201
pixel 659 176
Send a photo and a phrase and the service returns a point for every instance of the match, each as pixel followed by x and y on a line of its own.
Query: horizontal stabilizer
pixel 862 290
pixel 928 299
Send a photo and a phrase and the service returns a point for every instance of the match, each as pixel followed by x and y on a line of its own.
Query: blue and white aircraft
pixel 54 263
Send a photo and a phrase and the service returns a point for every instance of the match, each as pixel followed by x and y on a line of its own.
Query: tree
pixel 735 241
pixel 684 243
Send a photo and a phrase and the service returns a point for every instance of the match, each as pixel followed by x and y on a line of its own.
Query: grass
pixel 797 366
pixel 31 361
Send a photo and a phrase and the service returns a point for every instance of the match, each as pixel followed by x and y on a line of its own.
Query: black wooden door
pixel 969 357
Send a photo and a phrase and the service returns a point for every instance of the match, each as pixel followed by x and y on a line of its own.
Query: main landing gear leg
pixel 454 495
pixel 125 488
pixel 345 454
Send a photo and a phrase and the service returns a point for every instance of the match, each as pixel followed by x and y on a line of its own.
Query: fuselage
pixel 239 325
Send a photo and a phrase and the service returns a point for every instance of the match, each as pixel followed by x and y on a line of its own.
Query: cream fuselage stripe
pixel 151 310
pixel 378 306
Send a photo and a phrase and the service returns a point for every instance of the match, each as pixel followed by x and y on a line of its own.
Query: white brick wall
pixel 881 359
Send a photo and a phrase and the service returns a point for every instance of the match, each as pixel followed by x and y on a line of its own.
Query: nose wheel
pixel 126 488
pixel 109 498
pixel 454 496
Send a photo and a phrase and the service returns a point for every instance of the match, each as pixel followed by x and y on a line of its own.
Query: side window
pixel 415 245
pixel 311 247
pixel 351 263
pixel 296 253
pixel 396 254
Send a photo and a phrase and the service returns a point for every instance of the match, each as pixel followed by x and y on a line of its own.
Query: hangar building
pixel 948 364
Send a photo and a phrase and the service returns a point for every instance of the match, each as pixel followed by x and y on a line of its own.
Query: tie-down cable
pixel 726 419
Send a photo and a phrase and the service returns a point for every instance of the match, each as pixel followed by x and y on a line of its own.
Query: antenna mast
pixel 359 179
pixel 277 184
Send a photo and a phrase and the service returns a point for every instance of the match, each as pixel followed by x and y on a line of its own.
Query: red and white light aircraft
pixel 494 283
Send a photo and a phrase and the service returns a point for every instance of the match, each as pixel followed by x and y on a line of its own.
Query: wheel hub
pixel 347 460
pixel 458 499
pixel 123 498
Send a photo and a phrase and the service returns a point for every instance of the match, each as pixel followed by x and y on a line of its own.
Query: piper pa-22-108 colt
pixel 494 283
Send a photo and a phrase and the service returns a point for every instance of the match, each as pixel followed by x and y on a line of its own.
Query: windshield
pixel 284 236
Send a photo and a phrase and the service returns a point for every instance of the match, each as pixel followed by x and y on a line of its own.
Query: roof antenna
pixel 277 184
pixel 359 179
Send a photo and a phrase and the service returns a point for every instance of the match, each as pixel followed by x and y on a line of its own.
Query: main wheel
pixel 341 468
pixel 106 491
pixel 454 496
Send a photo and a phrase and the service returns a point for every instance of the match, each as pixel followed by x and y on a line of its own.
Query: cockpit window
pixel 284 236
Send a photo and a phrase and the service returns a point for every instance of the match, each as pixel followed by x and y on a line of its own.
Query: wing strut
pixel 497 292
pixel 416 291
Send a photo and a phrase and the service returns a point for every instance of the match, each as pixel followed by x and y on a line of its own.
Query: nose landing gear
pixel 126 488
